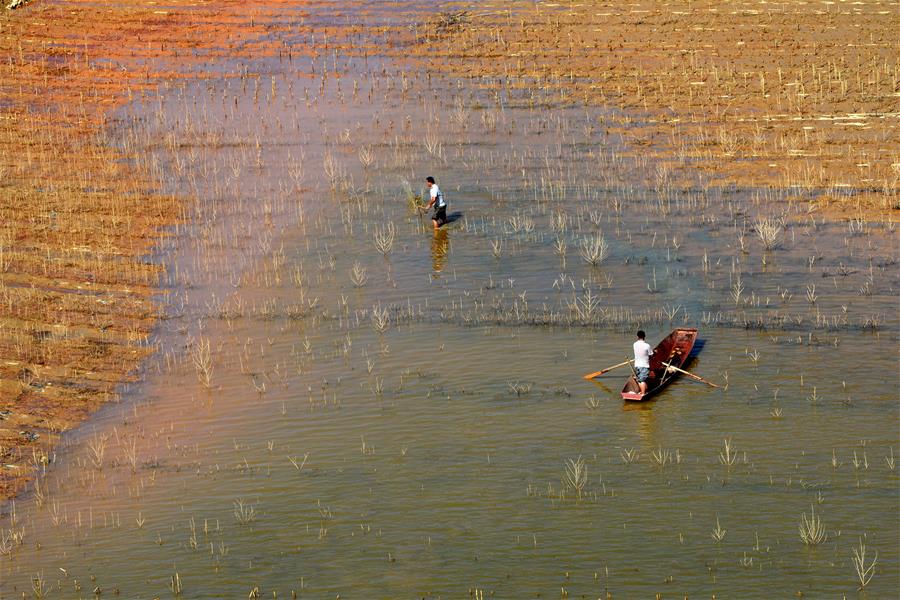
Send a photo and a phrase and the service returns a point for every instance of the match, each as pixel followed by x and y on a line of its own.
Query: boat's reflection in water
pixel 646 420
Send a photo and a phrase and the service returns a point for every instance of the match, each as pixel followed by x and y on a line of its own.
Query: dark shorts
pixel 440 215
pixel 643 373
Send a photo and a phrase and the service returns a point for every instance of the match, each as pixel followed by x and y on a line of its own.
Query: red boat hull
pixel 674 349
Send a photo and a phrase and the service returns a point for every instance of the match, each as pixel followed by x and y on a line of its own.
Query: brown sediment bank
pixel 797 97
pixel 77 217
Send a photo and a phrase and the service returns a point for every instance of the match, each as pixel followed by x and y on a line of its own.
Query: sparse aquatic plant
pixel 358 274
pixel 202 360
pixel 559 247
pixel 769 232
pixel 671 312
pixel 497 248
pixel 652 287
pixel 630 455
pixel 299 464
pixel 753 356
pixel 97 448
pixel 384 238
pixel 519 389
pixel 576 475
pixel 811 295
pixel 559 222
pixel 460 113
pixel 331 169
pixel 865 570
pixel 718 534
pixel 520 222
pixel 661 456
pixel 244 513
pixel 40 489
pixel 586 306
pixel 727 456
pixel 366 157
pixel 9 539
pixel 812 531
pixel 129 449
pixel 737 290
pixel 175 585
pixel 814 397
pixel 433 143
pixel 39 586
pixel 835 463
pixel 595 249
pixel 380 318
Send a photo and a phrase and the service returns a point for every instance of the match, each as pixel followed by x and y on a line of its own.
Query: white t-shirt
pixel 642 352
pixel 436 193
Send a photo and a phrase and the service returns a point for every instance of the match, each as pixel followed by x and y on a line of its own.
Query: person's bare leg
pixel 435 223
pixel 643 386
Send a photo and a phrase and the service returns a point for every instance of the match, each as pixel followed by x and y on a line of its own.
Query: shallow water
pixel 429 458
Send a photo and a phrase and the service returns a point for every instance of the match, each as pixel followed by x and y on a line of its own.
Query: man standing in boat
pixel 437 202
pixel 642 354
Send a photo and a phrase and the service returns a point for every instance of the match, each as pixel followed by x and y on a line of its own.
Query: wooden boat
pixel 675 350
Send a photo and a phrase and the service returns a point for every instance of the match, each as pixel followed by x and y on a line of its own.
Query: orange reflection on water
pixel 440 247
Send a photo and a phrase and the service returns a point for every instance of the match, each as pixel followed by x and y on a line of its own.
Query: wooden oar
pixel 697 377
pixel 633 370
pixel 606 370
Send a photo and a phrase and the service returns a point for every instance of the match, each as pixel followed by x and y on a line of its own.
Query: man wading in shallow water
pixel 642 353
pixel 437 201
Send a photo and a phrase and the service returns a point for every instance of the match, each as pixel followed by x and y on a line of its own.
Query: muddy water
pixel 407 434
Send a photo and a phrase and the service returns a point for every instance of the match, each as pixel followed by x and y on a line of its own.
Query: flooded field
pixel 348 404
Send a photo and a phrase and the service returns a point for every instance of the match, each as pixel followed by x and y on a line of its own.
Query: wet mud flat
pixel 345 402
pixel 83 222
pixel 797 97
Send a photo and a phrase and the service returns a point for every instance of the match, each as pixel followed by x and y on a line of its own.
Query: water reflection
pixel 647 427
pixel 440 247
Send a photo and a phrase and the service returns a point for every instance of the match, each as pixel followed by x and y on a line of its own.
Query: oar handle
pixel 698 378
pixel 630 364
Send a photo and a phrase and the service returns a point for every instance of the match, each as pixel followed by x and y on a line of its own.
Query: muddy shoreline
pixel 80 219
pixel 79 287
